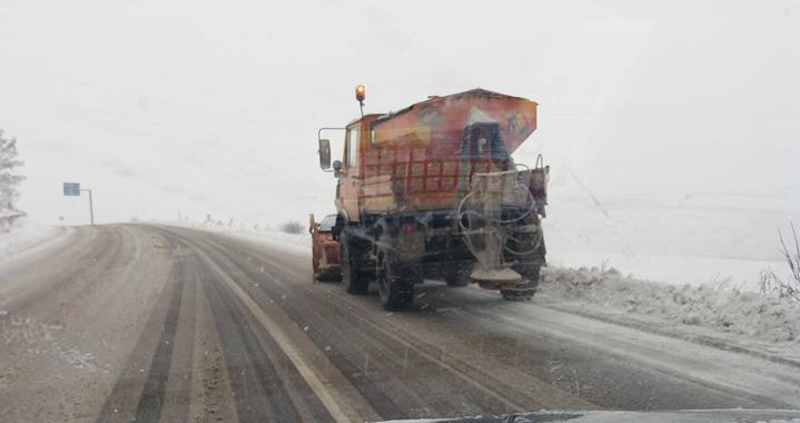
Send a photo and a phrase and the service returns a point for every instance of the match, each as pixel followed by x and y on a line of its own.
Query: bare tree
pixel 785 289
pixel 9 182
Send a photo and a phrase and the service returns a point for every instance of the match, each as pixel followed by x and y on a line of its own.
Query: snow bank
pixel 26 238
pixel 750 314
pixel 297 244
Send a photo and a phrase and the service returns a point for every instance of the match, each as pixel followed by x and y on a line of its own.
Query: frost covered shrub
pixel 789 289
pixel 291 227
pixel 9 183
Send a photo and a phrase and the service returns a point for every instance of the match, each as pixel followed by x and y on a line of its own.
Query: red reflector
pixel 408 227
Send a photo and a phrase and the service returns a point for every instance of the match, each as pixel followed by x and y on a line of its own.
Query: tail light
pixel 408 227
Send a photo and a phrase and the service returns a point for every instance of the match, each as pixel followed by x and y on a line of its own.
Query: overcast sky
pixel 212 107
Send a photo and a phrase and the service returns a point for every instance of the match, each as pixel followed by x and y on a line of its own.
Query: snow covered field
pixel 678 241
pixel 26 238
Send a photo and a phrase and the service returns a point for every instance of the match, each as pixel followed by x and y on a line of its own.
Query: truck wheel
pixel 351 261
pixel 457 274
pixel 521 292
pixel 530 265
pixel 396 282
pixel 529 272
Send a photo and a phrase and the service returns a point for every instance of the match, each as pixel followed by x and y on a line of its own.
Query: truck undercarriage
pixel 398 252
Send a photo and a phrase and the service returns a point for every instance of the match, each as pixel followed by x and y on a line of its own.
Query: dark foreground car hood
pixel 687 416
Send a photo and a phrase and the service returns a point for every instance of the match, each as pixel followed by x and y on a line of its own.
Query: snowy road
pixel 116 323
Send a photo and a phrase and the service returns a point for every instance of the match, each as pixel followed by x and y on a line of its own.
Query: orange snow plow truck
pixel 432 192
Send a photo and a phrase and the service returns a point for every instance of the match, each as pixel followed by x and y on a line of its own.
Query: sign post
pixel 73 189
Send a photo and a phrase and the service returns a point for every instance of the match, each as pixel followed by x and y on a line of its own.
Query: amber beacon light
pixel 361 93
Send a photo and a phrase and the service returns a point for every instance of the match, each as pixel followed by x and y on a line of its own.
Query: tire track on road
pixel 259 393
pixel 159 337
pixel 386 408
pixel 155 386
pixel 267 385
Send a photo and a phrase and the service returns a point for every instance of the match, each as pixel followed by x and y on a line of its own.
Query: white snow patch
pixel 297 244
pixel 736 273
pixel 34 334
pixel 748 315
pixel 26 238
pixel 25 330
pixel 76 358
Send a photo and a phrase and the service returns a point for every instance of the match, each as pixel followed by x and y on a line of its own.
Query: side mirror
pixel 337 167
pixel 324 153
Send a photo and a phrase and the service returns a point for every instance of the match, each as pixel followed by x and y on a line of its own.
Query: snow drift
pixel 730 311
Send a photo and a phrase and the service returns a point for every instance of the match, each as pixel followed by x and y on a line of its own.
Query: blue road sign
pixel 72 189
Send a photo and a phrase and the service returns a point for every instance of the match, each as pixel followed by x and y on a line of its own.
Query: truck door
pixel 350 184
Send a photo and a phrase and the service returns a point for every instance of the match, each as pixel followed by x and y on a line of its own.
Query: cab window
pixel 352 146
pixel 327 223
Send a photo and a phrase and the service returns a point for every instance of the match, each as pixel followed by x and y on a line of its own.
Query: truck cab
pixel 350 179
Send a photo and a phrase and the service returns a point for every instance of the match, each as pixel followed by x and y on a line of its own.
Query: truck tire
pixel 529 272
pixel 530 265
pixel 521 292
pixel 351 260
pixel 396 282
pixel 457 274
